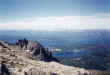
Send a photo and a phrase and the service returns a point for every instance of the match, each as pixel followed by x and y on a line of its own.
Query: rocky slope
pixel 31 58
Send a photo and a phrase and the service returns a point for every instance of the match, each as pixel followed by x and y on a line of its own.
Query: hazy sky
pixel 54 14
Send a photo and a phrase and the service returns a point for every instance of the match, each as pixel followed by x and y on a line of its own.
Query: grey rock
pixel 24 58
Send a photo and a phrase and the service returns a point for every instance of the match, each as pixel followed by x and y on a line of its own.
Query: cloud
pixel 97 21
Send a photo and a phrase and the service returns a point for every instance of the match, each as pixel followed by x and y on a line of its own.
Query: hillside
pixel 31 58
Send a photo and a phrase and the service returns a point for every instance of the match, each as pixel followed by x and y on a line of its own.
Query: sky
pixel 54 14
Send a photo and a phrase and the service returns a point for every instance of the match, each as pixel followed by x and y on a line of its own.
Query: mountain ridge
pixel 16 60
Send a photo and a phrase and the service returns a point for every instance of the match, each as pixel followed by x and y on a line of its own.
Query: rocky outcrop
pixel 24 57
pixel 34 49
